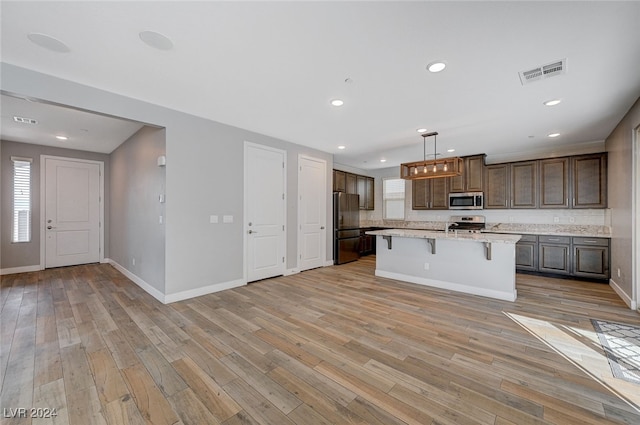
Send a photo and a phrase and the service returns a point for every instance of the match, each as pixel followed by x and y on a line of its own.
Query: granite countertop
pixel 591 231
pixel 430 234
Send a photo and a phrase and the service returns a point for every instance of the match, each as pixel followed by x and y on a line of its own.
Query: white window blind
pixel 393 199
pixel 21 199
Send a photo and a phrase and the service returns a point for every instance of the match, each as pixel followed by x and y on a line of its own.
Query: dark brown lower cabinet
pixel 554 254
pixel 591 257
pixel 367 242
pixel 564 255
pixel 527 253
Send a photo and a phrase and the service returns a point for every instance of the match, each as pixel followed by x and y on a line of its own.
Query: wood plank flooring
pixel 335 345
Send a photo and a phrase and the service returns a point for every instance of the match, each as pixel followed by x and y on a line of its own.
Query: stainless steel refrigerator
pixel 346 227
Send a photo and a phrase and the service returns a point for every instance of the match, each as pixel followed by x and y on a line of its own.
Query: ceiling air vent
pixel 543 71
pixel 25 120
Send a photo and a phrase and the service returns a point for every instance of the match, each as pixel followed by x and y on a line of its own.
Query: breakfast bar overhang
pixel 476 263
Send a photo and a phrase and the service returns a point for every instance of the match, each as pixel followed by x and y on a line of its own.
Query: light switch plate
pixel 213 219
pixel 227 219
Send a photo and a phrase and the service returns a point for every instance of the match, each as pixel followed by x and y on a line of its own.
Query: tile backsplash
pixel 596 217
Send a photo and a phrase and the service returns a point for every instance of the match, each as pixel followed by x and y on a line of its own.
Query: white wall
pixel 136 183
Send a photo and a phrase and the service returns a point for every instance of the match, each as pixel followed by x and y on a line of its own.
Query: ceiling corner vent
pixel 24 120
pixel 544 71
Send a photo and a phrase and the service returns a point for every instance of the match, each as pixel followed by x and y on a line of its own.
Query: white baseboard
pixel 138 281
pixel 191 293
pixel 329 263
pixel 473 290
pixel 23 269
pixel 633 305
pixel 289 272
pixel 178 296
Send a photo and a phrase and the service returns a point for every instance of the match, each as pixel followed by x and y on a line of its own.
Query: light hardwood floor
pixel 331 345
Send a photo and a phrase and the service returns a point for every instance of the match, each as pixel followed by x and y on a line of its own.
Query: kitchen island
pixel 473 263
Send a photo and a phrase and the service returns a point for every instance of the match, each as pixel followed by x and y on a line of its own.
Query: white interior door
pixel 312 207
pixel 72 212
pixel 265 211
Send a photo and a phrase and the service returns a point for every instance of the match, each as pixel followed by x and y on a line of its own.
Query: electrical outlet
pixel 426 266
pixel 572 219
pixel 133 261
pixel 556 219
pixel 510 219
pixel 618 271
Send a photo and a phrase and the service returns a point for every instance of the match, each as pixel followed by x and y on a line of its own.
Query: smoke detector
pixel 542 72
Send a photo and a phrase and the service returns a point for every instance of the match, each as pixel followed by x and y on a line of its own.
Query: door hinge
pixel 283 259
pixel 283 227
pixel 283 165
pixel 283 196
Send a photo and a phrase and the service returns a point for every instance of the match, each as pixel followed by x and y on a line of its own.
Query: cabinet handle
pixel 554 240
pixel 590 241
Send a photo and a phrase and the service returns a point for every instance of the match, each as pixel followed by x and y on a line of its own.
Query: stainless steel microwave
pixel 466 201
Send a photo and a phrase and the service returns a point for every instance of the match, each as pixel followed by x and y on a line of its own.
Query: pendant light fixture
pixel 430 169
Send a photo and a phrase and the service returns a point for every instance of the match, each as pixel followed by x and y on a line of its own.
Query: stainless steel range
pixel 466 223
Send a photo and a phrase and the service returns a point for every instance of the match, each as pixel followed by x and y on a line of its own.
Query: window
pixel 21 199
pixel 393 199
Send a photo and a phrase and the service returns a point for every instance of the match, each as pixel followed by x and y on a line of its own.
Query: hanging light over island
pixel 433 168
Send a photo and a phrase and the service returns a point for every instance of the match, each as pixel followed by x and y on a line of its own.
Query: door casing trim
pixel 245 228
pixel 299 238
pixel 43 175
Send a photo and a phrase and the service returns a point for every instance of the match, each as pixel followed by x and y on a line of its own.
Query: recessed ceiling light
pixel 436 66
pixel 48 42
pixel 156 40
pixel 383 160
pixel 451 150
pixel 342 147
pixel 554 135
pixel 552 102
pixel 62 137
pixel 421 130
pixel 337 102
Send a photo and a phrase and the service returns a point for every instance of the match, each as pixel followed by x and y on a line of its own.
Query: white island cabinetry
pixel 473 263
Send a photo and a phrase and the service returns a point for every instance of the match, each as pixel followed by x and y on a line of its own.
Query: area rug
pixel 621 343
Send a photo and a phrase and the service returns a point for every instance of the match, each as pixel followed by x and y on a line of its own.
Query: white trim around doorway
pixel 43 158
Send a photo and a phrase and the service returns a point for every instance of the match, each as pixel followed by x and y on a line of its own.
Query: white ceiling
pixel 84 130
pixel 273 67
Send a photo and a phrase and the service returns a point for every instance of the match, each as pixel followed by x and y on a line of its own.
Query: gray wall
pixel 136 183
pixel 200 151
pixel 28 253
pixel 620 163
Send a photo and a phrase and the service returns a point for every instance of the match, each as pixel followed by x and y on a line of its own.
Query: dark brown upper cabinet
pixel 524 192
pixel 339 181
pixel 471 179
pixel 430 194
pixel 497 186
pixel 554 183
pixel 351 184
pixel 366 190
pixel 589 182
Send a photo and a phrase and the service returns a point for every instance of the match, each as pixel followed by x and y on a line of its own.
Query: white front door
pixel 312 207
pixel 72 212
pixel 265 211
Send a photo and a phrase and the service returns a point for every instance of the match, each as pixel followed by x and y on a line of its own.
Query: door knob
pixel 321 227
pixel 252 231
pixel 50 227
